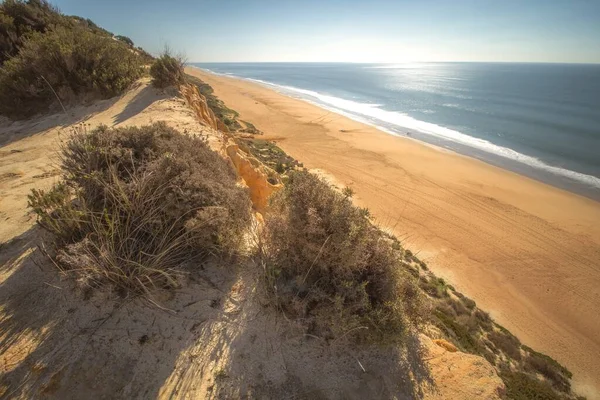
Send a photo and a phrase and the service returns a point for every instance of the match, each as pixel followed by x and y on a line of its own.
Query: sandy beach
pixel 527 252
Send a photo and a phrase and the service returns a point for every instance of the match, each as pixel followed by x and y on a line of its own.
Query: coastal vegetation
pixel 48 59
pixel 167 70
pixel 326 264
pixel 137 206
pixel 270 155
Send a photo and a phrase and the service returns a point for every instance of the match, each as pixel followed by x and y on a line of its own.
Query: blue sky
pixel 355 31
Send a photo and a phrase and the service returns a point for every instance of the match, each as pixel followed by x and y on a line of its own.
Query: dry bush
pixel 167 70
pixel 506 342
pixel 470 304
pixel 328 266
pixel 433 286
pixel 484 319
pixel 458 306
pixel 138 204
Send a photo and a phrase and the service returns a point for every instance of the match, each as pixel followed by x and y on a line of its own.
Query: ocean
pixel 540 120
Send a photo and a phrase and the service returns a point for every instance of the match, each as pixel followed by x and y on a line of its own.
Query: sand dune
pixel 527 252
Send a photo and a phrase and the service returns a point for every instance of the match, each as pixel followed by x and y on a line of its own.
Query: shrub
pixel 458 306
pixel 506 342
pixel 468 302
pixel 19 19
pixel 64 62
pixel 484 319
pixel 167 70
pixel 328 266
pixel 435 287
pixel 90 25
pixel 520 386
pixel 548 367
pixel 125 40
pixel 269 154
pixel 138 204
pixel 458 332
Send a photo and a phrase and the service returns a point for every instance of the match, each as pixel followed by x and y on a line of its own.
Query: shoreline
pixel 523 164
pixel 525 251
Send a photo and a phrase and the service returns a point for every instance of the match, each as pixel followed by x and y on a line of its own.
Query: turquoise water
pixel 541 120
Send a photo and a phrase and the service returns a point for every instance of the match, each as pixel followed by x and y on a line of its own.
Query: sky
pixel 355 31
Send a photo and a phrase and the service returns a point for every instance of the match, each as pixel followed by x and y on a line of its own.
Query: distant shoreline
pixel 531 167
pixel 524 250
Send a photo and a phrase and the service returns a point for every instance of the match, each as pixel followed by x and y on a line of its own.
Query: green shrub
pixel 520 386
pixel 167 70
pixel 125 40
pixel 139 204
pixel 269 154
pixel 68 63
pixel 19 19
pixel 90 25
pixel 548 367
pixel 329 267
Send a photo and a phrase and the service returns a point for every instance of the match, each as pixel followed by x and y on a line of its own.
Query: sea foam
pixel 396 123
pixel 393 121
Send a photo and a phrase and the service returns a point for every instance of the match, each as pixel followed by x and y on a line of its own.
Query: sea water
pixel 541 120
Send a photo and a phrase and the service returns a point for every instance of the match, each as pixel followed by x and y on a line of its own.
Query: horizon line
pixel 395 62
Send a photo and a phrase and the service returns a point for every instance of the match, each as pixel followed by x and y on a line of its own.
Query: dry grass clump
pixel 167 70
pixel 138 204
pixel 328 266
